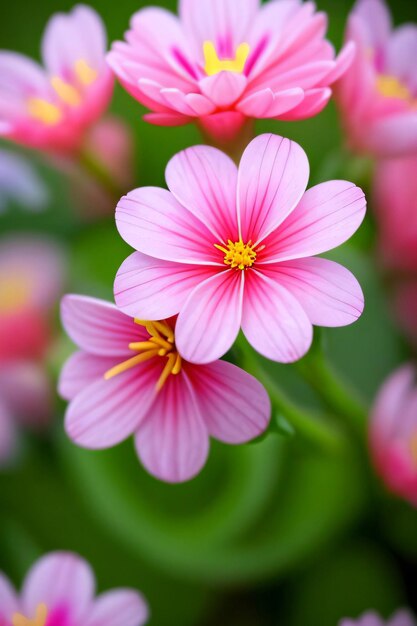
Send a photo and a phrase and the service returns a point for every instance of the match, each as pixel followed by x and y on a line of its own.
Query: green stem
pixel 95 169
pixel 307 424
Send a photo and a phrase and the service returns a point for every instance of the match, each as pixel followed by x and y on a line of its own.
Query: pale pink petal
pixel 234 405
pixel 151 289
pixel 173 441
pixel 273 321
pixel 223 88
pixel 81 370
pixel 267 104
pixel 209 321
pixel 326 217
pixel 152 221
pixel 402 618
pixel 21 78
pixel 343 62
pixel 394 136
pixel 177 101
pixel 109 411
pixel 401 55
pixel 376 17
pixel 120 607
pixel 327 291
pixel 60 580
pixel 204 180
pixel 8 600
pixel 273 175
pixel 314 101
pixel 97 326
pixel 391 401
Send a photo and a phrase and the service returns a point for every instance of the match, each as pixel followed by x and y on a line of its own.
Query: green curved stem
pixel 93 167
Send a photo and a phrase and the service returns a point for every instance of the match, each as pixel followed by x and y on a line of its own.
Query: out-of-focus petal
pixel 8 598
pixel 120 607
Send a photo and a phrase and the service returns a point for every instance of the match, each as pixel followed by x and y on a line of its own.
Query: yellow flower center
pixel 51 114
pixel 391 87
pixel 238 255
pixel 214 65
pixel 161 343
pixel 39 619
pixel 14 293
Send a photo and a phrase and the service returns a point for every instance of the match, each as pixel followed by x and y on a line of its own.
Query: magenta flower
pixel 378 94
pixel 129 378
pixel 59 590
pixel 393 433
pixel 230 248
pixel 225 61
pixel 50 107
pixel 401 618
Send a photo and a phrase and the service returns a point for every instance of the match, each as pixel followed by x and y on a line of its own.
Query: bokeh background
pixel 280 532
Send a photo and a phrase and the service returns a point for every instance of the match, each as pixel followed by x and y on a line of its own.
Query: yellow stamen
pixel 143 345
pixel 65 91
pixel 238 255
pixel 177 365
pixel 127 365
pixel 391 87
pixel 85 74
pixel 40 620
pixel 44 111
pixel 214 65
pixel 168 369
pixel 15 292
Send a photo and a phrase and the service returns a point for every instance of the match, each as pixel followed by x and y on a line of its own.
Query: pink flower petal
pixel 273 321
pixel 402 618
pixel 314 102
pixel 209 321
pixel 235 406
pixel 267 104
pixel 151 289
pixel 391 401
pixel 376 17
pixel 8 600
pixel 273 175
pixel 109 411
pixel 394 136
pixel 97 326
pixel 328 292
pixel 121 607
pixel 343 62
pixel 326 217
pixel 60 580
pixel 173 442
pixel 81 370
pixel 152 221
pixel 204 180
pixel 223 126
pixel 223 88
pixel 401 50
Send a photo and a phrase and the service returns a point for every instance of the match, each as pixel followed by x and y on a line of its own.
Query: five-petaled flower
pixel 225 61
pixel 229 248
pixel 59 590
pixel 378 94
pixel 129 378
pixel 50 108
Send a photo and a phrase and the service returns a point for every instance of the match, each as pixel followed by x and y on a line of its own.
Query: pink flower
pixel 20 183
pixel 393 433
pixel 230 248
pixel 129 378
pixel 378 94
pixel 224 61
pixel 59 590
pixel 401 618
pixel 50 107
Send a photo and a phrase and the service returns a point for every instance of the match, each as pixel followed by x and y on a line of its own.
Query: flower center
pixel 237 254
pixel 14 293
pixel 391 87
pixel 161 343
pixel 51 114
pixel 39 619
pixel 214 65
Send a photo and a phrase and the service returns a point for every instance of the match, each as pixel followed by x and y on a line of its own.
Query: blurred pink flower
pixel 401 618
pixel 59 590
pixel 129 378
pixel 229 247
pixel 378 94
pixel 50 107
pixel 224 61
pixel 393 433
pixel 20 184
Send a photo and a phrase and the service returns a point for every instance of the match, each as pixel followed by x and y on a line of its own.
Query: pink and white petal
pixel 267 104
pixel 401 50
pixel 204 180
pixel 224 88
pixel 61 580
pixel 20 77
pixel 273 176
pixel 328 292
pixel 326 217
pixel 151 220
pixel 120 607
pixel 81 370
pixel 177 101
pixel 98 326
pixel 107 412
pixel 273 321
pixel 314 102
pixel 234 405
pixel 9 603
pixel 376 18
pixel 173 441
pixel 209 322
pixel 151 289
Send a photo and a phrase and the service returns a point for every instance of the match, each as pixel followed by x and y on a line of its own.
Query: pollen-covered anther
pixel 40 619
pixel 214 65
pixel 237 254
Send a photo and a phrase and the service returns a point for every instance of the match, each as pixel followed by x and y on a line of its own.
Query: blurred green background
pixel 280 532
